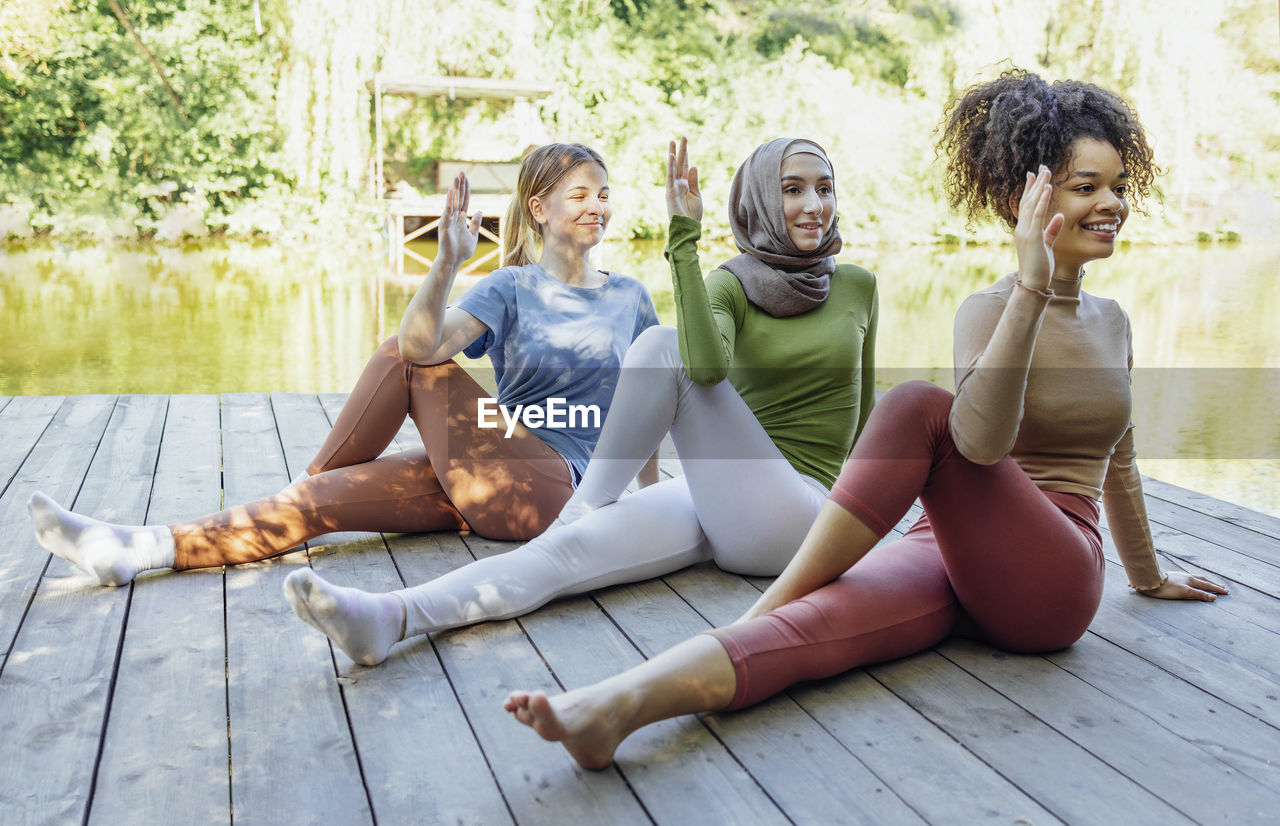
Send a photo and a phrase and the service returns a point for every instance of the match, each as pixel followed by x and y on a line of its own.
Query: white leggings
pixel 739 502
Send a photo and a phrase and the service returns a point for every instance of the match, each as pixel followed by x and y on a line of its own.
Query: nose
pixel 1111 202
pixel 812 203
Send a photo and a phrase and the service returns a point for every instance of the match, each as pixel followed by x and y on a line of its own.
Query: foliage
pixel 276 130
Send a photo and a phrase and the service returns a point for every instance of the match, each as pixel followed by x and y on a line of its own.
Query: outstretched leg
pixel 1023 564
pixel 113 554
pixel 649 533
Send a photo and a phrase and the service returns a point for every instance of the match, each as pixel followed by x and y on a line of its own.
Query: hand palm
pixel 458 234
pixel 683 196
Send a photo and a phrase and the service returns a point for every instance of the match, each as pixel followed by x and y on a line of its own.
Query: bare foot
pixel 586 725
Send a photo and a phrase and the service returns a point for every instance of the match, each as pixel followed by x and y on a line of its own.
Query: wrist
pixel 1044 291
pixel 1151 589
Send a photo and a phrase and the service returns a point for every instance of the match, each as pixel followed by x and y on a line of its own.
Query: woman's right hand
pixel 457 235
pixel 683 196
pixel 1036 231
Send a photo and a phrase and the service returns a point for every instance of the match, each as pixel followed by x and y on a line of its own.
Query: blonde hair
pixel 540 170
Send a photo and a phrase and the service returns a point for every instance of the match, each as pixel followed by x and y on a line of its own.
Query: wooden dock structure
pixel 199 698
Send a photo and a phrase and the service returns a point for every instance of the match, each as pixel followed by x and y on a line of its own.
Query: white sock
pixel 113 554
pixel 364 625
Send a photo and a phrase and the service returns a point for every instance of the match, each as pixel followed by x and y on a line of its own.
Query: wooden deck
pixel 200 698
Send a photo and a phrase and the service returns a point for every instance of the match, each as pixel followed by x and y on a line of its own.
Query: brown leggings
pixel 509 489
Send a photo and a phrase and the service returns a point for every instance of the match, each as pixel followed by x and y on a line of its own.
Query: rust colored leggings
pixel 1025 565
pixel 501 488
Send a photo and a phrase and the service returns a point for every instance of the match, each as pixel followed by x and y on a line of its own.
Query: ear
pixel 538 211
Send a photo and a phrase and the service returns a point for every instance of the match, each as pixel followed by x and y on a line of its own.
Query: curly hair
pixel 996 132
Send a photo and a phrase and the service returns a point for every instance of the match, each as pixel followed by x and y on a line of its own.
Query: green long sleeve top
pixel 809 379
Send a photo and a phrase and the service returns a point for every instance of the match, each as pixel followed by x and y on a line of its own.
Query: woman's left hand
pixel 1179 585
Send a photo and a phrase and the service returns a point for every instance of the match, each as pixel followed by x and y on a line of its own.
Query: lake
pixel 234 317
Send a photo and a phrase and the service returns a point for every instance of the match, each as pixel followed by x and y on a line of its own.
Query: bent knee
pixel 918 394
pixel 657 346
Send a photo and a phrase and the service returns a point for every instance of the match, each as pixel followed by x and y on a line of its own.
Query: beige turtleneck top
pixel 1046 381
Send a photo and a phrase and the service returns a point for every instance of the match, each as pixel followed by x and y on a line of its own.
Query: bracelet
pixel 1151 588
pixel 1047 293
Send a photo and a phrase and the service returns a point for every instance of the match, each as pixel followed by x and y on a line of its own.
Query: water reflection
pixel 232 318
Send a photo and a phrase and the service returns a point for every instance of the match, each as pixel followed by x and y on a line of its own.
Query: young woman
pixel 1009 469
pixel 763 387
pixel 553 326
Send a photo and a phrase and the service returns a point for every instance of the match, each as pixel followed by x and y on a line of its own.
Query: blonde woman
pixel 554 327
pixel 763 387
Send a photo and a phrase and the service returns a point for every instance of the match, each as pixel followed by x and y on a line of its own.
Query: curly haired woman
pixel 1009 469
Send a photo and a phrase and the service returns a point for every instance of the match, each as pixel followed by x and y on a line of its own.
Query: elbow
pixel 985 459
pixel 417 351
pixel 707 376
pixel 978 452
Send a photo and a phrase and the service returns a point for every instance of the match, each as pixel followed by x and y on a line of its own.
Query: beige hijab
pixel 777 277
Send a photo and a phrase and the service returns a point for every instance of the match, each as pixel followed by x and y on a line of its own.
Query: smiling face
pixel 1090 194
pixel 576 211
pixel 808 199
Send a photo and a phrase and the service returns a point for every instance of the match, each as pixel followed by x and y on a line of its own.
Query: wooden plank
pixel 1063 777
pixel 1222 561
pixel 676 767
pixel 283 702
pixel 22 421
pixel 1151 629
pixel 936 775
pixel 419 758
pixel 1132 743
pixel 1202 720
pixel 1203 503
pixel 59 676
pixel 56 465
pixel 544 785
pixel 781 746
pixel 165 745
pixel 1230 536
pixel 1244 603
pixel 1215 624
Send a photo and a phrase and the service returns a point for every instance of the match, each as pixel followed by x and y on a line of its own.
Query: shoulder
pixel 1107 311
pixel 858 280
pixel 625 283
pixel 723 287
pixel 501 280
pixel 983 308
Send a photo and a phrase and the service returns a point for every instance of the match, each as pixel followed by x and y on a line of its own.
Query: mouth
pixel 1104 229
pixel 814 228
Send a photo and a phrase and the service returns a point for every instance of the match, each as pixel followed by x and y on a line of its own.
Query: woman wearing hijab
pixel 763 386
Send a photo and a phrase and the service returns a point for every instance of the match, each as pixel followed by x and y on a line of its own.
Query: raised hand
pixel 683 196
pixel 1036 231
pixel 1179 585
pixel 457 234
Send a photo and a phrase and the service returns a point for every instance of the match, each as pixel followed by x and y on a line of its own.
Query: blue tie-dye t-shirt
pixel 550 339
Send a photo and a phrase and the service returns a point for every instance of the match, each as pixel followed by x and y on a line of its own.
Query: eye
pixel 1121 191
pixel 604 196
pixel 1085 188
pixel 791 190
pixel 825 190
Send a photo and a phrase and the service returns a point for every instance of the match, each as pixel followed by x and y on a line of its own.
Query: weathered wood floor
pixel 200 698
